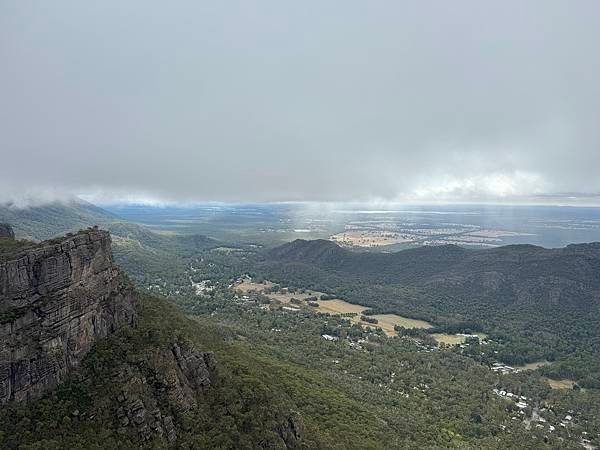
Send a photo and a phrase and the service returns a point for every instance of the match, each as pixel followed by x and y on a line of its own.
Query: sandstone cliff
pixel 144 386
pixel 56 299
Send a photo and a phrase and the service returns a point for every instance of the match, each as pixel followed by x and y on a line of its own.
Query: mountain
pixel 514 265
pixel 405 265
pixel 53 219
pixel 48 220
pixel 318 251
pixel 542 303
pixel 507 274
pixel 144 254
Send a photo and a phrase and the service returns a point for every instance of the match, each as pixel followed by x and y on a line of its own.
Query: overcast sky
pixel 309 100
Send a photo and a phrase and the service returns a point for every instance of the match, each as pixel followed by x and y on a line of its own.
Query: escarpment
pixel 56 299
pixel 132 368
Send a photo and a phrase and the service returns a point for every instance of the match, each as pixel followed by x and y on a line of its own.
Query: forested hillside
pixel 45 221
pixel 542 303
pixel 145 254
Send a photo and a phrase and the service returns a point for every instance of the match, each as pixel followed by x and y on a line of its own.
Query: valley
pixel 322 303
pixel 262 307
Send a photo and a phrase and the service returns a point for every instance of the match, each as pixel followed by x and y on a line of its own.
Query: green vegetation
pixel 10 248
pixel 52 219
pixel 534 303
pixel 250 397
pixel 353 386
pixel 424 396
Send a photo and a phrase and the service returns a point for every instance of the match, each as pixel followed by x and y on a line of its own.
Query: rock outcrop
pixel 6 231
pixel 56 300
pixel 160 389
pixel 291 430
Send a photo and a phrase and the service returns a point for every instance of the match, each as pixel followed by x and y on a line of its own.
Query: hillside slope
pixel 45 221
pixel 423 265
pixel 130 391
pixel 144 254
pixel 544 302
pixel 522 274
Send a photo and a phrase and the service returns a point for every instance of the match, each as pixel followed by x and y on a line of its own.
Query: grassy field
pixel 337 306
pixel 454 339
pixel 560 384
pixel 448 339
pixel 388 321
pixel 368 238
pixel 249 286
pixel 533 365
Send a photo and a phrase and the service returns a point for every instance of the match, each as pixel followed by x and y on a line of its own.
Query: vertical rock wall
pixel 56 300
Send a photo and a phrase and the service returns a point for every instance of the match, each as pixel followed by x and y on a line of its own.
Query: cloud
pixel 30 196
pixel 263 101
pixel 493 186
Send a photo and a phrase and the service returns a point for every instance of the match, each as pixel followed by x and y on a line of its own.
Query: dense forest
pixel 388 391
pixel 535 303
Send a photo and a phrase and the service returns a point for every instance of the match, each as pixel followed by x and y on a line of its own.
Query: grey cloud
pixel 341 100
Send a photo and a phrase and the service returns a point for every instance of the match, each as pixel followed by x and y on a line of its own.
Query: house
pixel 328 337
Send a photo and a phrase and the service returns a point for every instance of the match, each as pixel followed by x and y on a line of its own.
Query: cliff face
pixel 159 390
pixel 56 300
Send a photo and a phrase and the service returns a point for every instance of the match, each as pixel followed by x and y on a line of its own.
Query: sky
pixel 381 101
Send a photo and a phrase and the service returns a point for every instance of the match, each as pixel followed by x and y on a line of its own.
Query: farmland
pixel 334 307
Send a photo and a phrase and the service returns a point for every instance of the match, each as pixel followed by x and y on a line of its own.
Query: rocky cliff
pixel 159 389
pixel 143 386
pixel 56 299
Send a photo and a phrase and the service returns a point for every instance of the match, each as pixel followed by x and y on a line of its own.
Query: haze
pixel 312 101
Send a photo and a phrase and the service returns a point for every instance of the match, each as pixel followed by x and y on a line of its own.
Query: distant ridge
pixel 48 220
pixel 520 276
pixel 139 250
pixel 543 303
pixel 319 250
pixel 329 255
pixel 576 261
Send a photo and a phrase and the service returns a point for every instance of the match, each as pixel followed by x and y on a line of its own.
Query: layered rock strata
pixel 56 299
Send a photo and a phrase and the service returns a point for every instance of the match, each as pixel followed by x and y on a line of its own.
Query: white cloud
pixel 478 187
